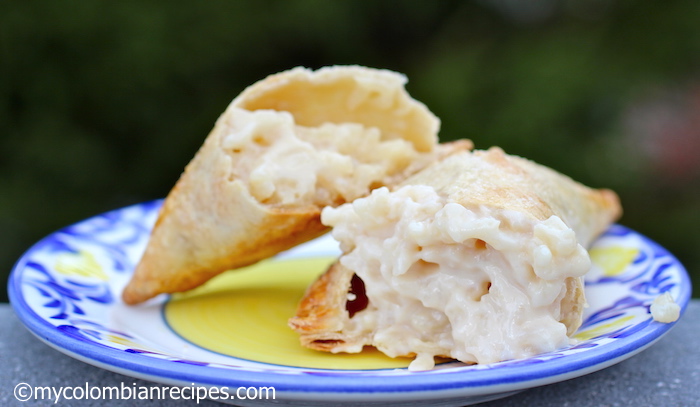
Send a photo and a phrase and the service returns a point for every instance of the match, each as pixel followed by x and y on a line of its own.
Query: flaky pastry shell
pixel 230 207
pixel 504 241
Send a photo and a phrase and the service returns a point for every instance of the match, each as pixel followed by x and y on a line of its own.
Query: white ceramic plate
pixel 66 290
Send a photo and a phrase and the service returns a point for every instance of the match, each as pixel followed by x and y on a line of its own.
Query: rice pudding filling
pixel 474 283
pixel 284 164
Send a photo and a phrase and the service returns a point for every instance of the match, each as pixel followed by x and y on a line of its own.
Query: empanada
pixel 285 148
pixel 479 258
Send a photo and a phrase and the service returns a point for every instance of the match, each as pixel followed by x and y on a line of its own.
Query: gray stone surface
pixel 667 374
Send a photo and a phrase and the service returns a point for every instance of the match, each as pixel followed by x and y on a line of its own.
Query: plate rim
pixel 327 382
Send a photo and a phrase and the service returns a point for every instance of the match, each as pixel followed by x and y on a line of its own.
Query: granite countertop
pixel 667 374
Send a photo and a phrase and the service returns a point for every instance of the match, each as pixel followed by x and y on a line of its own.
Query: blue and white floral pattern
pixel 66 290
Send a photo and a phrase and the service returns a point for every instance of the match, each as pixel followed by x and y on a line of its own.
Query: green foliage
pixel 103 103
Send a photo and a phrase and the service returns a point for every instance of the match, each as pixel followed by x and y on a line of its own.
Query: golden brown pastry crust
pixel 503 181
pixel 346 94
pixel 206 228
pixel 322 309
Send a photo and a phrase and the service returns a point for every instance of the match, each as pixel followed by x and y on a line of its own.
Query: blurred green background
pixel 103 103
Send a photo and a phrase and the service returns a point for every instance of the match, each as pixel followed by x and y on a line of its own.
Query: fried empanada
pixel 285 148
pixel 479 258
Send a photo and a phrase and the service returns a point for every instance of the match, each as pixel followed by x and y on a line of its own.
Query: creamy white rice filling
pixel 286 164
pixel 473 283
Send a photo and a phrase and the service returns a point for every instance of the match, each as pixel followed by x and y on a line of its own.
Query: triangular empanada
pixel 285 148
pixel 479 258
